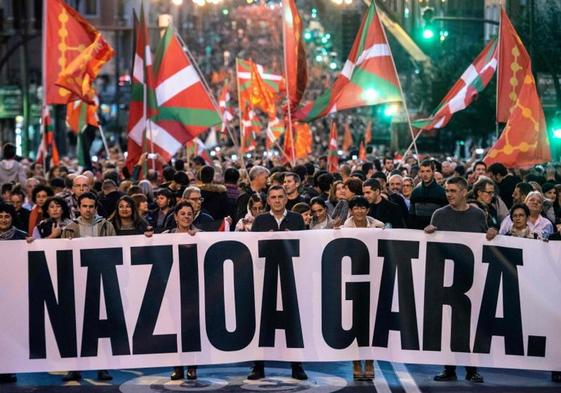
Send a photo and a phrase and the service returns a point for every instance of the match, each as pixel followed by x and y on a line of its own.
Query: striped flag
pixel 273 82
pixel 185 108
pixel 142 86
pixel 332 156
pixel 47 147
pixel 79 114
pixel 472 82
pixel 368 77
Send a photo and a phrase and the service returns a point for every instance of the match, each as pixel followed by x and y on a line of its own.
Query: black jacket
pixel 265 222
pixel 387 212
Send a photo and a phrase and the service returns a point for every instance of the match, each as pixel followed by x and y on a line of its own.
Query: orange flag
pixel 304 140
pixel 347 137
pixel 332 156
pixel 260 96
pixel 288 146
pixel 368 133
pixel 294 54
pixel 73 54
pixel 523 142
pixel 78 114
pixel 514 61
pixel 362 152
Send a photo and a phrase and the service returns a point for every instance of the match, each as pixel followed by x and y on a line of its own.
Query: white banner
pixel 397 295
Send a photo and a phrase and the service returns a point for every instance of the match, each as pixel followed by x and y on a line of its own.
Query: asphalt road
pixel 323 378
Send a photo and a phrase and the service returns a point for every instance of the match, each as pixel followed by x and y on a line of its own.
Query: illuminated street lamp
pixel 177 2
pixel 341 2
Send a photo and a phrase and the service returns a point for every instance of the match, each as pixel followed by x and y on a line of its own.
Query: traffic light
pixel 428 25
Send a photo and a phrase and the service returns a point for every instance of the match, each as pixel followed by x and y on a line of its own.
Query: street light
pixel 341 2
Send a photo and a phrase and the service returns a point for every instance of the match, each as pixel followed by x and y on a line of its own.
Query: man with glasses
pixel 80 185
pixel 193 195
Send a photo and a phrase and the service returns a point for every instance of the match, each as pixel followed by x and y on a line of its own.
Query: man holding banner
pixel 277 219
pixel 458 216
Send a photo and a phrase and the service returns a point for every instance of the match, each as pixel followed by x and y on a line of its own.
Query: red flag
pixel 332 156
pixel 362 152
pixel 260 96
pixel 288 147
pixel 79 114
pixel 514 61
pixel 368 77
pixel 347 137
pixel 303 141
pixel 48 144
pixel 185 107
pixel 275 129
pixel 142 86
pixel 523 142
pixel 368 133
pixel 73 54
pixel 296 72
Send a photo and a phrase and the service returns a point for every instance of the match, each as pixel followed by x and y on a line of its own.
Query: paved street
pixel 324 378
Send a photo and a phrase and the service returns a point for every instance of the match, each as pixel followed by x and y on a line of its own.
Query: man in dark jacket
pixel 215 199
pixel 426 197
pixel 257 182
pixel 277 219
pixel 381 208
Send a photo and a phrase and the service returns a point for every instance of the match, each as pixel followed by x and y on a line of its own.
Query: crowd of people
pixel 189 196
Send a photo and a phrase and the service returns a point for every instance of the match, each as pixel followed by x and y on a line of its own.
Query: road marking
pixel 405 378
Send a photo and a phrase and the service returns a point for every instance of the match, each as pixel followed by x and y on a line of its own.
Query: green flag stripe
pixel 162 49
pixel 188 117
pixel 366 80
pixel 366 27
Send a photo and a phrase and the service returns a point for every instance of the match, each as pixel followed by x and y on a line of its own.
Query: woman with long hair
pixel 126 219
pixel 39 196
pixel 184 214
pixel 57 216
pixel 320 217
pixel 255 206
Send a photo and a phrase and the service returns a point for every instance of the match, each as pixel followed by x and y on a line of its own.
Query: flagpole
pixel 240 116
pixel 290 129
pixel 206 86
pixel 103 140
pixel 44 80
pixel 498 70
pixel 414 140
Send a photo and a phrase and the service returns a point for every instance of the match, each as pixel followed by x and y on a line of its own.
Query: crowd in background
pixel 188 196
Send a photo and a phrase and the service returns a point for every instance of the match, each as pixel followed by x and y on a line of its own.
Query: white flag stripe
pixel 136 132
pixel 176 83
pixel 271 77
pixel 469 75
pixel 458 102
pixel 376 50
pixel 162 138
pixel 348 69
pixel 148 54
pixel 138 68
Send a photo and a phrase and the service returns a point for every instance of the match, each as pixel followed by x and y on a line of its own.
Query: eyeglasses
pixel 201 199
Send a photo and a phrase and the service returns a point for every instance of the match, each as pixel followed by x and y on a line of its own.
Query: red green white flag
pixel 141 86
pixel 185 108
pixel 472 82
pixel 332 157
pixel 368 77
